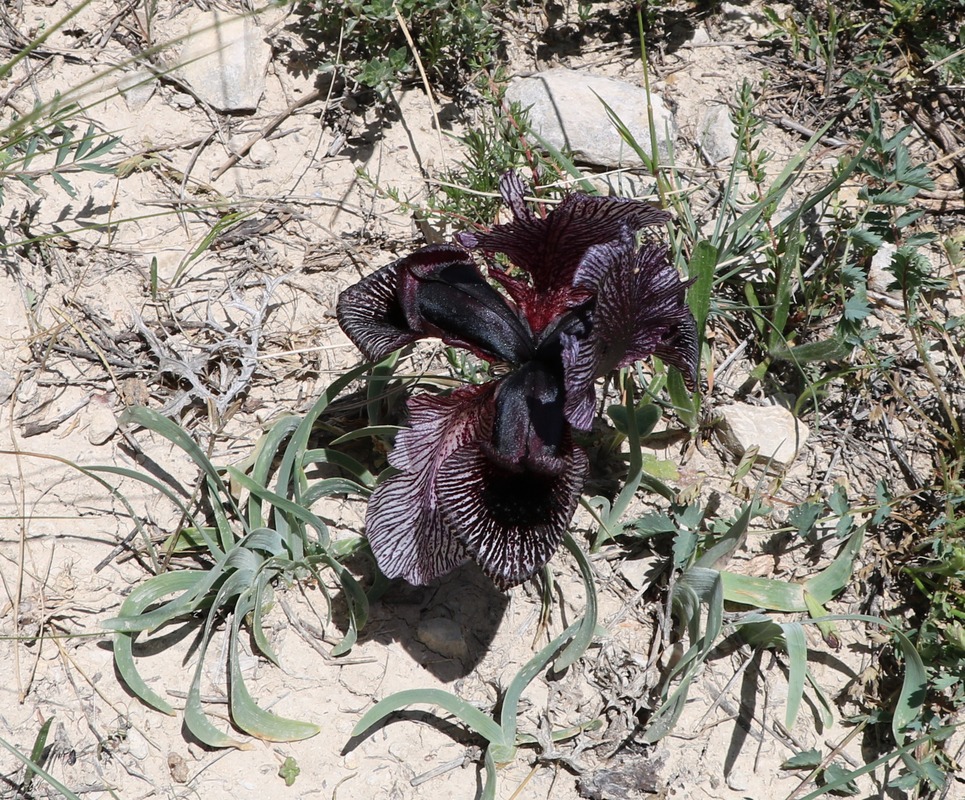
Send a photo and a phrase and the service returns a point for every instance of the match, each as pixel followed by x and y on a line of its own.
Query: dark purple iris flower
pixel 491 472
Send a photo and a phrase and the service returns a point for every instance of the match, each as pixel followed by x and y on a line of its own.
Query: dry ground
pixel 73 311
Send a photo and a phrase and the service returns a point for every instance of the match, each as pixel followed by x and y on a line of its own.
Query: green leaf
pixel 797 657
pixel 827 584
pixel 775 595
pixel 837 779
pixel 285 505
pixel 265 453
pixel 647 416
pixel 150 419
pixel 504 749
pixel 36 768
pixel 587 625
pixel 63 183
pixel 469 715
pixel 140 598
pixel 358 606
pixel 386 431
pixel 660 468
pixel 327 455
pixel 824 350
pixel 702 269
pixel 36 755
pixel 809 759
pixel 247 714
pixel 289 771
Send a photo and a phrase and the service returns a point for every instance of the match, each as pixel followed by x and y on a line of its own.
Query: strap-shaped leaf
pixel 797 667
pixel 195 719
pixel 286 506
pixel 388 431
pixel 469 715
pixel 170 494
pixel 504 750
pixel 333 486
pixel 140 598
pixel 245 712
pixel 587 625
pixel 266 451
pixel 262 594
pixel 150 419
pixel 286 480
pixel 328 455
pixel 358 606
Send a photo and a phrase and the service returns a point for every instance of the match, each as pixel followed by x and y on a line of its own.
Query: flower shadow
pixel 447 627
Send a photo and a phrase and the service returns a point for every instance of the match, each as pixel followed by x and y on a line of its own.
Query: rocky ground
pixel 199 277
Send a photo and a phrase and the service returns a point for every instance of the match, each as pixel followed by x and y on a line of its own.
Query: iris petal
pixel 528 427
pixel 510 523
pixel 552 248
pixel 641 310
pixel 403 523
pixel 436 291
pixel 371 314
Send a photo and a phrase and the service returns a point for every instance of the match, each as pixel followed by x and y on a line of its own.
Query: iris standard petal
pixel 511 523
pixel 551 248
pixel 404 526
pixel 641 310
pixel 436 291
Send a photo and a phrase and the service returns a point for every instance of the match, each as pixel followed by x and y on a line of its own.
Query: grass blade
pixel 469 715
pixel 36 768
pixel 245 712
pixel 587 626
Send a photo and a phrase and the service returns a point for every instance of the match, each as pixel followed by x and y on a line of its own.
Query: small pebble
pixel 443 636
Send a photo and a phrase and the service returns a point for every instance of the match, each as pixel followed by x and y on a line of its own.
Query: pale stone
pixel 7 384
pixel 880 276
pixel 716 134
pixel 101 423
pixel 136 88
pixel 566 109
pixel 224 61
pixel 443 636
pixel 773 430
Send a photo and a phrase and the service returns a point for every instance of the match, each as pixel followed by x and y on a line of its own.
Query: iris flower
pixel 490 472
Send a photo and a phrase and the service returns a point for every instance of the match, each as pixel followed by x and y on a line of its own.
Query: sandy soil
pixel 65 299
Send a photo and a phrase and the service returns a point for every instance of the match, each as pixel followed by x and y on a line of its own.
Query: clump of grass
pixel 369 41
pixel 250 531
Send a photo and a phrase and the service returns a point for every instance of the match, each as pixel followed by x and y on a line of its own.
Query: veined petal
pixel 371 314
pixel 436 291
pixel 404 526
pixel 552 248
pixel 580 362
pixel 511 523
pixel 641 310
pixel 528 426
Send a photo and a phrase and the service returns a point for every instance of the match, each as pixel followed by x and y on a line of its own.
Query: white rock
pixel 7 384
pixel 565 108
pixel 716 133
pixel 880 276
pixel 137 87
pixel 642 572
pixel 224 61
pixel 443 636
pixel 773 430
pixel 700 35
pixel 101 423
